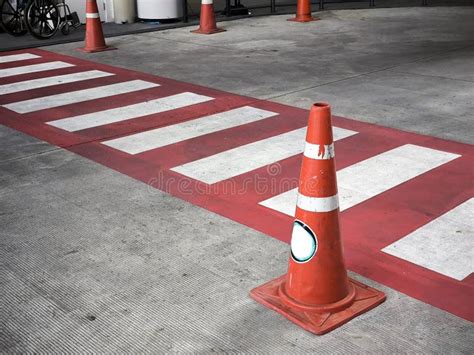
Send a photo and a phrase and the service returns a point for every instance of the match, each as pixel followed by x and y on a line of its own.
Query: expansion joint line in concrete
pixel 30 155
pixel 367 73
pixel 185 42
pixel 433 76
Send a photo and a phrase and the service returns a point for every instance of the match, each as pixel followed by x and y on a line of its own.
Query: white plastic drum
pixel 159 9
pixel 124 11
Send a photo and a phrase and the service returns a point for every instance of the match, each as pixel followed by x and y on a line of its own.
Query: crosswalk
pixel 17 57
pixel 443 242
pixel 46 102
pixel 160 137
pixel 124 113
pixel 51 81
pixel 28 69
pixel 371 177
pixel 199 137
pixel 243 159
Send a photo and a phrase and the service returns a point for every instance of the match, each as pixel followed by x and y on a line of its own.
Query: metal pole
pixel 185 11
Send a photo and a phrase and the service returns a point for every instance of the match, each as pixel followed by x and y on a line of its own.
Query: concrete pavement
pixel 94 261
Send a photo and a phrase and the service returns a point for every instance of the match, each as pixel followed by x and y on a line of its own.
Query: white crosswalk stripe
pixel 124 113
pixel 34 68
pixel 445 245
pixel 243 159
pixel 51 80
pixel 364 180
pixel 42 103
pixel 17 57
pixel 161 137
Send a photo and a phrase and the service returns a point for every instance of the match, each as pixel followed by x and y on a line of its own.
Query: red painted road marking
pixel 367 228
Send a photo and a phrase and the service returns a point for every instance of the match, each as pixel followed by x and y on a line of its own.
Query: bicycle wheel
pixel 11 17
pixel 42 18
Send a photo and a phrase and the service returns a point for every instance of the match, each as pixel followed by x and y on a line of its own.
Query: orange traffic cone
pixel 316 293
pixel 303 12
pixel 207 20
pixel 95 41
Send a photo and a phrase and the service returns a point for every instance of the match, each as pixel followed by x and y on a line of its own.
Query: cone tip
pixel 319 124
pixel 321 106
pixel 320 110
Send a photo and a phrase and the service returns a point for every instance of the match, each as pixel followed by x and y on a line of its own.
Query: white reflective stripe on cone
pixel 206 2
pixel 92 15
pixel 319 151
pixel 318 204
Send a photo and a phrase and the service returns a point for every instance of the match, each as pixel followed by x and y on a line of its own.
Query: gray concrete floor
pixel 93 261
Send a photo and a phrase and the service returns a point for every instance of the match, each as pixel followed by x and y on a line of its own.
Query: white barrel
pixel 162 9
pixel 124 11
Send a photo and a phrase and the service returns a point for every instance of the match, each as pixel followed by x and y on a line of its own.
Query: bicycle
pixel 42 18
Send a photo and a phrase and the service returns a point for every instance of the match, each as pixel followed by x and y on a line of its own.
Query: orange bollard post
pixel 303 12
pixel 94 41
pixel 316 292
pixel 207 20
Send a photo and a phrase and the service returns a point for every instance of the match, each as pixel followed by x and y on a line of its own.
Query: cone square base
pixel 304 19
pixel 316 320
pixel 103 49
pixel 210 32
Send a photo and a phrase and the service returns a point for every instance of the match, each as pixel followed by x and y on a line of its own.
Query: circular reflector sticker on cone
pixel 303 242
